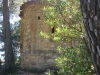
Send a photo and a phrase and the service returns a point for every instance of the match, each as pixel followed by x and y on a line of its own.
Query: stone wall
pixel 35 50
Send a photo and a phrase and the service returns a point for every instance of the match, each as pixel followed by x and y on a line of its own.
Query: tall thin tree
pixel 9 58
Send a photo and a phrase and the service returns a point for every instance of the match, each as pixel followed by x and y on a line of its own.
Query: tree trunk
pixel 91 14
pixel 9 58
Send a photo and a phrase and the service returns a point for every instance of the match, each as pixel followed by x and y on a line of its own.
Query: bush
pixel 75 61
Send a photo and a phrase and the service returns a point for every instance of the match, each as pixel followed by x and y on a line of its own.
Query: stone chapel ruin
pixel 35 50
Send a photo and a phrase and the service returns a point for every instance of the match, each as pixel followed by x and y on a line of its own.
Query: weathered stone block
pixel 51 61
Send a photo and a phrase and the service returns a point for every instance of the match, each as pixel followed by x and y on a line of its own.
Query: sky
pixel 1 52
pixel 14 18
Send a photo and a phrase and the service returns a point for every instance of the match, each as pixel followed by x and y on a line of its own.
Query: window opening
pixel 38 17
pixel 53 30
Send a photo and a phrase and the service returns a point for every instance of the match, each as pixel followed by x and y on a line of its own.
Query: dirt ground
pixel 23 73
pixel 27 73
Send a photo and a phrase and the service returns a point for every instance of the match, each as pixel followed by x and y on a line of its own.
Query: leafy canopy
pixel 64 18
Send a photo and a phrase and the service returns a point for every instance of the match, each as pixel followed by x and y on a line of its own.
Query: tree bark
pixel 91 14
pixel 9 58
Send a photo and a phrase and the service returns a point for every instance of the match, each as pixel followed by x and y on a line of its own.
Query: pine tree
pixel 91 15
pixel 9 59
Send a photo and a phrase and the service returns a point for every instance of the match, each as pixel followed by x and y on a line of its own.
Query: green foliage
pixel 49 72
pixel 75 61
pixel 65 17
pixel 16 33
pixel 19 2
pixel 16 42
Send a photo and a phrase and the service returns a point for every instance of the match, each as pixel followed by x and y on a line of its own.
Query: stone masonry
pixel 35 50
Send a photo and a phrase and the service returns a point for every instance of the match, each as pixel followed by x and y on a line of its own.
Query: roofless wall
pixel 35 50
